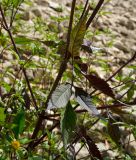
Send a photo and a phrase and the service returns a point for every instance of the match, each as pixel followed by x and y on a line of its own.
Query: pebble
pixel 37 12
pixel 130 25
pixel 121 46
pixel 44 3
pixel 26 16
pixel 55 6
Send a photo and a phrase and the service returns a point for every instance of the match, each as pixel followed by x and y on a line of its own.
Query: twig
pixel 97 8
pixel 84 8
pixel 77 111
pixel 131 59
pixel 62 69
pixel 16 50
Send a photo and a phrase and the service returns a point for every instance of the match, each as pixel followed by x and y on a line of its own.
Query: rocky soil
pixel 117 21
pixel 119 43
pixel 121 21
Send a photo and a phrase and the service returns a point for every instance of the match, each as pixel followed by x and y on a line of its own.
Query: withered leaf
pixel 100 84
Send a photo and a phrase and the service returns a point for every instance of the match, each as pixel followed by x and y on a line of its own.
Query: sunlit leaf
pixel 114 131
pixel 19 123
pixel 2 115
pixel 84 100
pixel 60 96
pixel 130 92
pixel 23 40
pixel 68 123
pixel 77 36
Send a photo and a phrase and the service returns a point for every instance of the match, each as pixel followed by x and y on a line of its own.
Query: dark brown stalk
pixel 36 143
pixel 96 10
pixel 131 59
pixel 62 69
pixel 44 135
pixel 119 69
pixel 16 50
pixel 84 8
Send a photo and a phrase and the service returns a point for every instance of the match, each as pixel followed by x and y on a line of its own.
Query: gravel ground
pixel 120 21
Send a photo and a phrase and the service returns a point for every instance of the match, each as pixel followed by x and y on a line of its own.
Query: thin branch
pixel 84 8
pixel 77 111
pixel 119 69
pixel 131 59
pixel 62 69
pixel 97 8
pixel 16 50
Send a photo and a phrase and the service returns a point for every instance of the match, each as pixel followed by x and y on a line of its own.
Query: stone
pixel 37 12
pixel 123 31
pixel 55 6
pixel 130 25
pixel 123 21
pixel 121 46
pixel 26 16
pixel 42 3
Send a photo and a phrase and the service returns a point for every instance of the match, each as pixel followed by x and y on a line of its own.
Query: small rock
pixel 42 3
pixel 121 46
pixel 123 31
pixel 125 4
pixel 26 16
pixel 130 25
pixel 123 21
pixel 55 6
pixel 36 12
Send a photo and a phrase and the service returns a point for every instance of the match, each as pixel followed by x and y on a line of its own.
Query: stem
pixel 131 59
pixel 16 50
pixel 97 8
pixel 119 69
pixel 84 8
pixel 62 69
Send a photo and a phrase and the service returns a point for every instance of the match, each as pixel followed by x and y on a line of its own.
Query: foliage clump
pixel 53 98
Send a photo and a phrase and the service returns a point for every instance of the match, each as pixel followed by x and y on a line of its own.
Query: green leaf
pixel 35 158
pixel 2 115
pixel 17 2
pixel 60 96
pixel 130 92
pixel 114 131
pixel 23 40
pixel 77 36
pixel 68 123
pixel 84 100
pixel 134 132
pixel 19 123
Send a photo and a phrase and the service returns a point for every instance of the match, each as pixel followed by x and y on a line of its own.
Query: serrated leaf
pixel 68 123
pixel 100 84
pixel 93 149
pixel 84 100
pixel 2 115
pixel 114 131
pixel 130 92
pixel 19 123
pixel 60 96
pixel 77 36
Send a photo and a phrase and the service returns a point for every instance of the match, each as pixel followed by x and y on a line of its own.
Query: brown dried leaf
pixel 100 84
pixel 94 151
